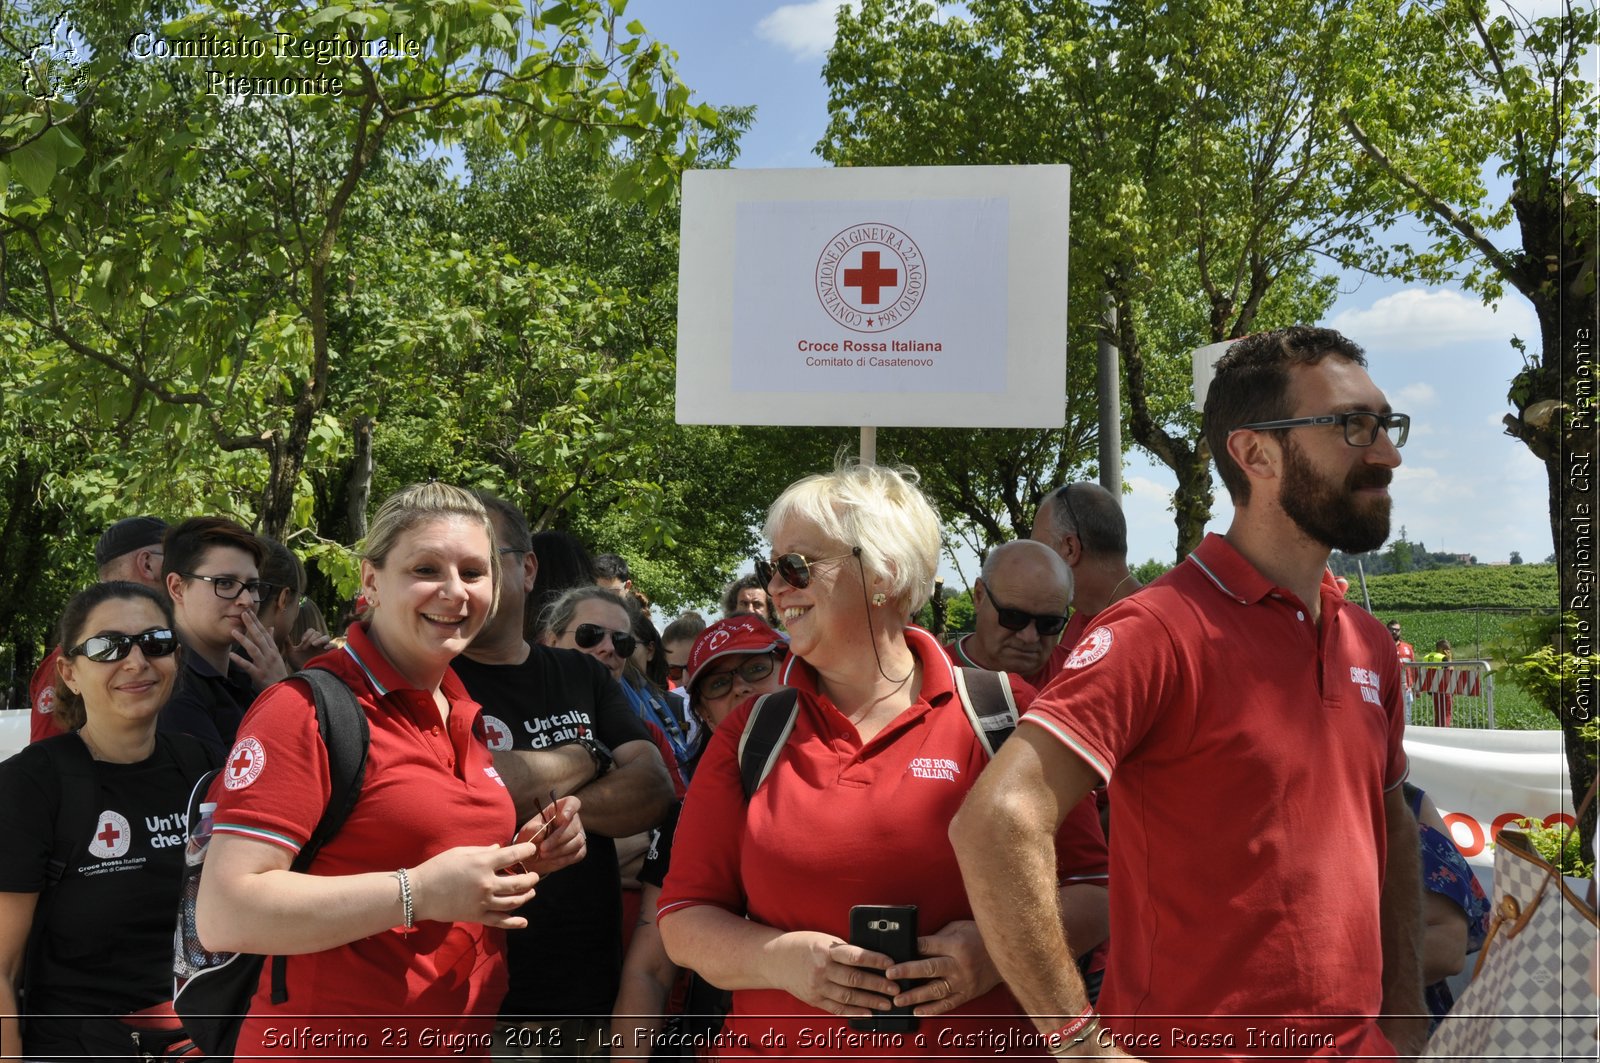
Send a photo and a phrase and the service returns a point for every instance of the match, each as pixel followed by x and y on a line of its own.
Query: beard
pixel 1331 513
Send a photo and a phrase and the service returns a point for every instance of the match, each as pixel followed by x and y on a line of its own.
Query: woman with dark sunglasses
pixel 91 840
pixel 855 806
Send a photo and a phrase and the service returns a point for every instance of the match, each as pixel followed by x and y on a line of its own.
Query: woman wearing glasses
pixel 393 933
pixel 91 837
pixel 597 622
pixel 855 807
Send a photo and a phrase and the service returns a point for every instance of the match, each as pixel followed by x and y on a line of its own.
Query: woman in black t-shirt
pixel 92 840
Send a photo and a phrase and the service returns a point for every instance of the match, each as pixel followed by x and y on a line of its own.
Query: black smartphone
pixel 892 930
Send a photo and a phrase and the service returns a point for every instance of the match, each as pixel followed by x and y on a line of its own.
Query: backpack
pixel 991 710
pixel 212 990
pixel 985 696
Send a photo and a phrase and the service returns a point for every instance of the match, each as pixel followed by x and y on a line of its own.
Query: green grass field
pixel 1480 634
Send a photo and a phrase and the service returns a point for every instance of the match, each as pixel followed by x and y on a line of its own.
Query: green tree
pixel 195 278
pixel 1458 91
pixel 1203 184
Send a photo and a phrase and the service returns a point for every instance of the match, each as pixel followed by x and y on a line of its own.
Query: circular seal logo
pixel 244 764
pixel 112 836
pixel 1093 646
pixel 45 704
pixel 871 277
pixel 718 637
pixel 496 733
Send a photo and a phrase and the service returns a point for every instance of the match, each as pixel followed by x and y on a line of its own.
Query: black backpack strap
pixel 343 725
pixel 766 729
pixel 991 709
pixel 77 814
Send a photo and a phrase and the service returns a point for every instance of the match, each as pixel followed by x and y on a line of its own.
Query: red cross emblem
pixel 244 764
pixel 496 733
pixel 871 277
pixel 112 836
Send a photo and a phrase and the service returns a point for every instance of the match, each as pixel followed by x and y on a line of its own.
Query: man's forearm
pixel 632 797
pixel 1008 864
pixel 531 774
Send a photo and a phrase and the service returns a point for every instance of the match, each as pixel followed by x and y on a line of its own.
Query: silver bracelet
pixel 405 897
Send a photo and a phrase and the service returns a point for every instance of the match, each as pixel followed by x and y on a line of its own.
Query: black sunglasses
pixel 794 569
pixel 752 671
pixel 588 636
pixel 675 672
pixel 157 642
pixel 1046 624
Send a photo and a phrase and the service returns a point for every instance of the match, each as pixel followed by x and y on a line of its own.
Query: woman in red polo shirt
pixel 395 935
pixel 855 808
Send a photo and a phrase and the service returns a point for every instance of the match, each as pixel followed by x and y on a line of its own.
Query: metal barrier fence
pixel 1451 693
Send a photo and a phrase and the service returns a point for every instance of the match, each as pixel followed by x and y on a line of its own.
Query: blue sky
pixel 1439 353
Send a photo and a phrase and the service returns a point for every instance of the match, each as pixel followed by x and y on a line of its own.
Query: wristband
pixel 406 900
pixel 1075 1032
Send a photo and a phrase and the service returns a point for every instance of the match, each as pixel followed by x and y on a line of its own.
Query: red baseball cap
pixel 744 633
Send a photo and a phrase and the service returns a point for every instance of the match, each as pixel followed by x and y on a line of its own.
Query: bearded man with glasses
pixel 212 569
pixel 1249 721
pixel 1020 608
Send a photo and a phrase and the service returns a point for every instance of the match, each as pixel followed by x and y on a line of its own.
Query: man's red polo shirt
pixel 1248 751
pixel 430 786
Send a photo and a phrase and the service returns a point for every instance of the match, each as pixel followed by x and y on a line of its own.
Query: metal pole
pixel 1361 571
pixel 869 445
pixel 1110 389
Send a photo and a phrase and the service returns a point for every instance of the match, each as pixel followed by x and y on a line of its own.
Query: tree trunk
pixel 359 492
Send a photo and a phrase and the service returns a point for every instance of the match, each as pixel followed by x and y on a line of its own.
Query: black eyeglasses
pixel 794 569
pixel 1046 624
pixel 588 636
pixel 752 671
pixel 1361 427
pixel 157 642
pixel 230 587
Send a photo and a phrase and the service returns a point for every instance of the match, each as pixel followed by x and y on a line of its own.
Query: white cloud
pixel 1414 396
pixel 1416 319
pixel 804 30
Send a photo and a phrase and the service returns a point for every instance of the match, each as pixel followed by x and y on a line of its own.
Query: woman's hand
pixel 260 660
pixel 466 885
pixel 559 835
pixel 957 968
pixel 830 974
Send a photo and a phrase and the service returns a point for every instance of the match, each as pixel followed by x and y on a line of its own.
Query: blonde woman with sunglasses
pixel 98 894
pixel 855 807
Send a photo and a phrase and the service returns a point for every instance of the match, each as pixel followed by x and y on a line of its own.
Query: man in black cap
pixel 130 550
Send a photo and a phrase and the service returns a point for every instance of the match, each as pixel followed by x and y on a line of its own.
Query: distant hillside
pixel 1465 586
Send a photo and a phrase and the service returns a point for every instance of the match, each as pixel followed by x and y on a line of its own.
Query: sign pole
pixel 869 444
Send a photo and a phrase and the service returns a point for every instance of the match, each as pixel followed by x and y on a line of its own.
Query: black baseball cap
pixel 128 535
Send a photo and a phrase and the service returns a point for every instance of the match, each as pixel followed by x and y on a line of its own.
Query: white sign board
pixel 817 297
pixel 1205 367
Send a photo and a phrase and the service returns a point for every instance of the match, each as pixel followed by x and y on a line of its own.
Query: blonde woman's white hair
pixel 879 509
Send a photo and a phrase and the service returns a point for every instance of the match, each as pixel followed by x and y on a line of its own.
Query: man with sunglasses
pixel 1020 608
pixel 212 569
pixel 1249 722
pixel 556 720
pixel 129 549
pixel 1084 524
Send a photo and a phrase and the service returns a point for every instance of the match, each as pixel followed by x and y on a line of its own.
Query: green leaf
pixel 35 164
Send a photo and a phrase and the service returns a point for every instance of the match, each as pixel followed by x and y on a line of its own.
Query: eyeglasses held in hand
pixel 1361 427
pixel 588 636
pixel 1046 624
pixel 230 587
pixel 114 646
pixel 794 569
pixel 752 671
